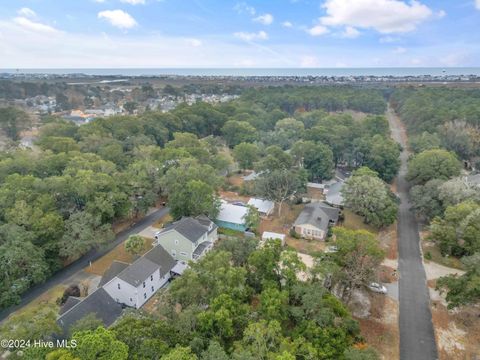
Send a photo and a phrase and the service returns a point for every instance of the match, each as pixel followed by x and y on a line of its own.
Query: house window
pixel 118 285
pixel 144 295
pixel 183 253
pixel 153 289
pixel 174 253
pixel 131 300
pixel 176 242
pixel 144 284
pixel 151 277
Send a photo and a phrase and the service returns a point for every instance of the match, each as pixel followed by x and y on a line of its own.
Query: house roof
pixel 99 303
pixel 334 195
pixel 116 268
pixel 192 229
pixel 140 270
pixel 271 235
pixel 71 302
pixel 198 251
pixel 232 213
pixel 318 215
pixel 162 258
pixel 263 206
pixel 474 179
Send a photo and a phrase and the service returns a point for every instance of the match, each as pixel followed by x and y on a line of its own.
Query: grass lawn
pixel 119 254
pixel 431 252
pixel 355 222
pixel 162 221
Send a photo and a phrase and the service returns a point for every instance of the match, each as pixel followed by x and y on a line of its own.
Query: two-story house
pixel 188 239
pixel 133 285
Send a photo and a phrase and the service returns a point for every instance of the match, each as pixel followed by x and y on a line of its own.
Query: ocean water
pixel 405 71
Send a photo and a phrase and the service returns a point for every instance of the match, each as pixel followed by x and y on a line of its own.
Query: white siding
pixel 157 283
pixel 122 295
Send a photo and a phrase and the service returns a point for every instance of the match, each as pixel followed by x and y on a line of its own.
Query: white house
pixel 264 207
pixel 135 284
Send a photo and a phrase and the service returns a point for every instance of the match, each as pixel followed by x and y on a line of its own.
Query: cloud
pixel 318 30
pixel 350 33
pixel 399 50
pixel 194 42
pixel 385 16
pixel 246 36
pixel 27 12
pixel 309 61
pixel 118 18
pixel 265 19
pixel 133 2
pixel 30 25
pixel 477 4
pixel 288 24
pixel 388 39
pixel 244 8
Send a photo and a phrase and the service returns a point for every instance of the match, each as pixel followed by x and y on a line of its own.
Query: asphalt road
pixel 78 265
pixel 417 338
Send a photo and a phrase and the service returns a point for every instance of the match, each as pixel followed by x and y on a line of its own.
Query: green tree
pixel 464 289
pixel 458 232
pixel 279 186
pixel 214 352
pixel 432 164
pixel 252 218
pixel 99 344
pixel 130 106
pixel 90 322
pixel 180 353
pixel 262 338
pixel 83 231
pixel 237 132
pixel 359 255
pixel 316 158
pixel 22 264
pixel 246 154
pixel 13 121
pixel 368 196
pixel 197 198
pixel 424 141
pixel 135 245
pixel 426 199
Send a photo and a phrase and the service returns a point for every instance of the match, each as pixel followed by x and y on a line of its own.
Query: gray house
pixel 188 239
pixel 315 219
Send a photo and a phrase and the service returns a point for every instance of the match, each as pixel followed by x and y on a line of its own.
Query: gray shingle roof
pixel 140 270
pixel 162 258
pixel 116 268
pixel 198 251
pixel 71 302
pixel 99 303
pixel 190 228
pixel 318 215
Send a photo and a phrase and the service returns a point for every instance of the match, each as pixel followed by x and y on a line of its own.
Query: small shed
pixel 267 235
pixel 264 207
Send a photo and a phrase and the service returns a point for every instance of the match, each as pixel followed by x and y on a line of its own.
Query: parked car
pixel 378 288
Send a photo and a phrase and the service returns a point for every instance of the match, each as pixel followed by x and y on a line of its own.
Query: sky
pixel 226 34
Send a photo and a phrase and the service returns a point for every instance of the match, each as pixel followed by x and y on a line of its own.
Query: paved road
pixel 64 274
pixel 417 338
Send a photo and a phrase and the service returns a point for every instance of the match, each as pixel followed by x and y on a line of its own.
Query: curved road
pixel 417 337
pixel 78 265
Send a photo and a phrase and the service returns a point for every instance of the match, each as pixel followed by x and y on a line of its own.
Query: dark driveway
pixel 417 338
pixel 62 275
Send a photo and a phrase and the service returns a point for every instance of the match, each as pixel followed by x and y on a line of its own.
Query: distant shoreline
pixel 252 72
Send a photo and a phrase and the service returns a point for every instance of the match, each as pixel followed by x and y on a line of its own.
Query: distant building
pixel 264 207
pixel 273 236
pixel 189 238
pixel 315 219
pixel 232 216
